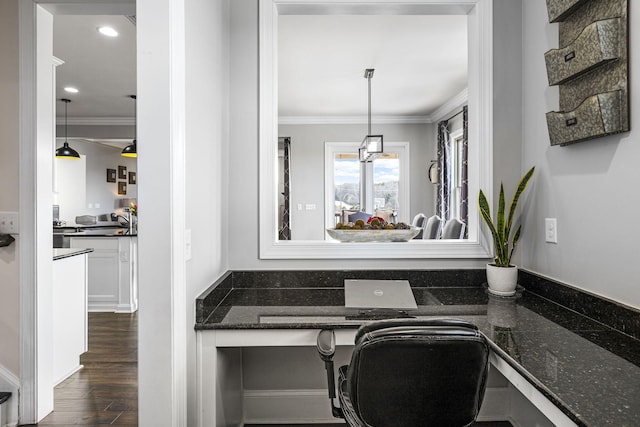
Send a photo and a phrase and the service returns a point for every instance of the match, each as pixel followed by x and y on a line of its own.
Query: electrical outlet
pixel 310 206
pixel 9 223
pixel 550 230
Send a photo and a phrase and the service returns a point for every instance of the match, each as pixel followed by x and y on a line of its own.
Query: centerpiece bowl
pixel 365 236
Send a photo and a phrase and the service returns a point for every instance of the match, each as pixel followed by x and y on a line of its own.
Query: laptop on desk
pixel 365 294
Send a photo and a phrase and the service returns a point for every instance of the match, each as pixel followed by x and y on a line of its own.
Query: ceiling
pixel 420 62
pixel 103 69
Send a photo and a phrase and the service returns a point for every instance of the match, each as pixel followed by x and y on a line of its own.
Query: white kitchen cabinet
pixel 113 278
pixel 68 312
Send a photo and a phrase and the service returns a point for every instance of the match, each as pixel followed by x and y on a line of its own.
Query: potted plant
pixel 502 276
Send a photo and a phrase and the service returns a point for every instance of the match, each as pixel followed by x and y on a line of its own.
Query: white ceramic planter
pixel 502 280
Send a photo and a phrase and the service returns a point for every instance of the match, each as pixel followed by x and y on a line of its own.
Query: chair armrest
pixel 326 344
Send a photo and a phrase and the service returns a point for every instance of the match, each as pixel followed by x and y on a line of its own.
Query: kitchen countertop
pixel 590 371
pixel 60 253
pixel 94 231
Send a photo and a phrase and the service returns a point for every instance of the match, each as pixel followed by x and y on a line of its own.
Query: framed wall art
pixel 122 172
pixel 111 175
pixel 132 178
pixel 122 187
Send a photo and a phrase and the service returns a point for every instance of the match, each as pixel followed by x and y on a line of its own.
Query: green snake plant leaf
pixel 485 211
pixel 516 237
pixel 522 185
pixel 503 234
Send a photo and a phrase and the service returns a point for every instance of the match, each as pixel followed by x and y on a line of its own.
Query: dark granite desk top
pixel 590 371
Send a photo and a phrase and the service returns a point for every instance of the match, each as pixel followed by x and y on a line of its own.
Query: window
pixel 455 197
pixel 380 187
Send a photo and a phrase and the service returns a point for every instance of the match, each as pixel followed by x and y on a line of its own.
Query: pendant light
pixel 132 149
pixel 371 144
pixel 66 152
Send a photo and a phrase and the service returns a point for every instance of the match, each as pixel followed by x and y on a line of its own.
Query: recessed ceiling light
pixel 108 31
pixel 70 89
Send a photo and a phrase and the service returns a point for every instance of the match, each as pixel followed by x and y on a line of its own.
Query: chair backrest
pixel 453 229
pixel 432 227
pixel 411 373
pixel 418 220
pixel 86 219
pixel 386 214
pixel 359 215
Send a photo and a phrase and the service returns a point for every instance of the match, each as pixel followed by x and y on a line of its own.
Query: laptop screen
pixel 379 294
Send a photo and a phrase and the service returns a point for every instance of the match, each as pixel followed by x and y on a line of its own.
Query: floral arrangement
pixel 373 223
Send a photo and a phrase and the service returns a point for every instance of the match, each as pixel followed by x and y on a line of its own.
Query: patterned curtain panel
pixel 464 193
pixel 285 229
pixel 444 164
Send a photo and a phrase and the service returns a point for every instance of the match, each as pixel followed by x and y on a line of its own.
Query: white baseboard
pixel 126 308
pixel 312 406
pixel 100 307
pixel 9 410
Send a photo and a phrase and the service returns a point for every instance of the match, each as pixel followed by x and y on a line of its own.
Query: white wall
pixel 70 187
pixel 590 187
pixel 9 197
pixel 243 145
pixel 307 168
pixel 207 58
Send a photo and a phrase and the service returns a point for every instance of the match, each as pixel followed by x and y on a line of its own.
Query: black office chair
pixel 410 373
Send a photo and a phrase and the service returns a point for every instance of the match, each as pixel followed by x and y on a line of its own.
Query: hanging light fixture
pixel 66 152
pixel 132 149
pixel 371 144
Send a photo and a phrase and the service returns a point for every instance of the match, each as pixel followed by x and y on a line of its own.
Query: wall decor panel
pixel 591 69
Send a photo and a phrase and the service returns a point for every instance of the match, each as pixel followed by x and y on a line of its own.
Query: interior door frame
pixel 35 262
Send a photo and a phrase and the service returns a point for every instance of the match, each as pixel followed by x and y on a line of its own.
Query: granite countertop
pixel 59 253
pixel 101 232
pixel 94 231
pixel 589 370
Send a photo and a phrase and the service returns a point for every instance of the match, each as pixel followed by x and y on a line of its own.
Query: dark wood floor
pixel 105 391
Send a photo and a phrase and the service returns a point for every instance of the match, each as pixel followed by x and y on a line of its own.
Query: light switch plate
pixel 550 230
pixel 9 223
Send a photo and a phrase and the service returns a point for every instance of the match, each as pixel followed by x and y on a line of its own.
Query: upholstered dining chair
pixel 453 229
pixel 432 227
pixel 418 221
pixel 409 373
pixel 359 215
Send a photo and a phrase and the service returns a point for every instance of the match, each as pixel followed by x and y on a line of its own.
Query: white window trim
pixel 480 169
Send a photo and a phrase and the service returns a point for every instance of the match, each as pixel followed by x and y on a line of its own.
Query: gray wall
pixel 307 168
pixel 243 144
pixel 9 197
pixel 590 187
pixel 207 96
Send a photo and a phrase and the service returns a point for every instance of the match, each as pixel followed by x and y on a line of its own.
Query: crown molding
pixel 97 121
pixel 57 61
pixel 352 120
pixel 445 109
pixel 456 102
